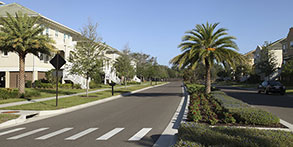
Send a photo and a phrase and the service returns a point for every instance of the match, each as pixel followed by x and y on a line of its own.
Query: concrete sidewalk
pixel 59 97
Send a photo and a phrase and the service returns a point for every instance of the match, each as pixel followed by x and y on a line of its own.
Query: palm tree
pixel 23 35
pixel 206 45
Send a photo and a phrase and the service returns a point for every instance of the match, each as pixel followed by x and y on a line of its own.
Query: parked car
pixel 271 87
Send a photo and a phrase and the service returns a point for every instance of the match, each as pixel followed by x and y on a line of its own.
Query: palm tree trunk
pixel 208 78
pixel 21 78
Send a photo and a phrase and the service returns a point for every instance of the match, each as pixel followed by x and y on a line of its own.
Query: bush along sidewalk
pixel 197 135
pixel 211 120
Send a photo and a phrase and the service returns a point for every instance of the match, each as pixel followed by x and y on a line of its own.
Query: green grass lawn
pixel 74 100
pixel 44 93
pixel 289 90
pixel 235 84
pixel 6 117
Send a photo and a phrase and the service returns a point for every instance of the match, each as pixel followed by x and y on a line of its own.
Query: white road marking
pixel 11 131
pixel 83 133
pixel 53 134
pixel 140 134
pixel 27 133
pixel 110 134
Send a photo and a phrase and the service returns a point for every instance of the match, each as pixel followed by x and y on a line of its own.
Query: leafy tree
pixel 267 62
pixel 142 61
pixel 123 65
pixel 205 45
pixel 86 58
pixel 287 72
pixel 23 35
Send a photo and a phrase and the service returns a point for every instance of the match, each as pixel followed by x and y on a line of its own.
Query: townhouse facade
pixel 36 67
pixel 287 46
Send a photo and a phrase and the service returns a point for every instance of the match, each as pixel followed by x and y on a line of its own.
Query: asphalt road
pixel 136 120
pixel 282 106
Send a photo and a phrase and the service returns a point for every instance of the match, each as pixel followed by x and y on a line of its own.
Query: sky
pixel 156 27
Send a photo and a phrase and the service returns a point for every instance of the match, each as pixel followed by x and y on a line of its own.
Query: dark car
pixel 271 87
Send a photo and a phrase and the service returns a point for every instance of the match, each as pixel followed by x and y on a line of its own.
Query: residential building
pixel 35 67
pixel 287 46
pixel 250 57
pixel 276 49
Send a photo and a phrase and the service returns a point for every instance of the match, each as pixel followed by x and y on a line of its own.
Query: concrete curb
pixel 50 113
pixel 169 136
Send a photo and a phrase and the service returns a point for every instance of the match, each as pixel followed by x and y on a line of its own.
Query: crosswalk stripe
pixel 27 133
pixel 83 133
pixel 53 134
pixel 11 131
pixel 140 134
pixel 110 134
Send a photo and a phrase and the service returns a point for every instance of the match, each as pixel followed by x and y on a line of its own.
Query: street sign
pixel 60 73
pixel 58 61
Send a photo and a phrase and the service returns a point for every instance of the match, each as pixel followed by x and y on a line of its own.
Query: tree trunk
pixel 21 78
pixel 124 82
pixel 208 78
pixel 87 86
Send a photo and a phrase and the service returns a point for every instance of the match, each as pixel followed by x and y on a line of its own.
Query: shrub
pixel 6 93
pixel 255 116
pixel 34 93
pixel 77 86
pixel 39 84
pixel 195 88
pixel 93 84
pixel 194 112
pixel 193 134
pixel 245 114
pixel 28 84
pixel 133 83
pixel 65 86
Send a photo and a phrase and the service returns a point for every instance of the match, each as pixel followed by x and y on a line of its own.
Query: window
pixel 41 56
pixel 56 33
pixel 291 43
pixel 284 46
pixel 64 37
pixel 47 31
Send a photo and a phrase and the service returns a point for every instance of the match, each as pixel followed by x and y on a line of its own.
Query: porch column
pixel 7 79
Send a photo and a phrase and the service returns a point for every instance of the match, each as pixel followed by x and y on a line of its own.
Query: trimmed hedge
pixel 195 88
pixel 6 93
pixel 221 108
pixel 194 135
pixel 243 113
pixel 253 116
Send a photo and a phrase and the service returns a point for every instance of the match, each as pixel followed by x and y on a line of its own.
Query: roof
pixel 249 53
pixel 14 8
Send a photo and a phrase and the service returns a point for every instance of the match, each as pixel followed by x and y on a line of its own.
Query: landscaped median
pixel 220 120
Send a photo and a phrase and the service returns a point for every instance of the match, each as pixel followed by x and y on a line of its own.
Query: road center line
pixel 27 133
pixel 140 134
pixel 83 133
pixel 110 134
pixel 53 134
pixel 11 131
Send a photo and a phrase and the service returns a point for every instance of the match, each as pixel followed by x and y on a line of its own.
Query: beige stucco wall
pixel 278 54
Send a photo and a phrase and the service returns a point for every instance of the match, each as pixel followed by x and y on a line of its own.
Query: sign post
pixel 112 84
pixel 58 61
